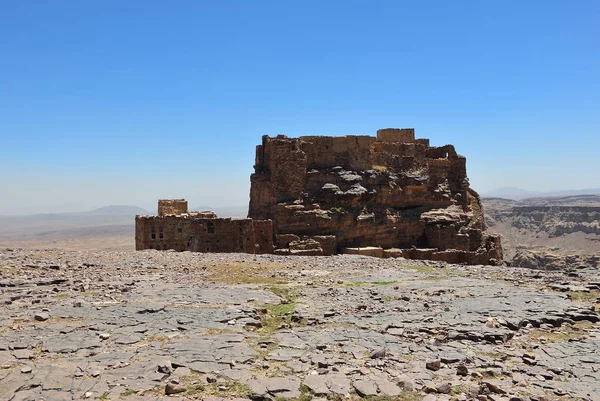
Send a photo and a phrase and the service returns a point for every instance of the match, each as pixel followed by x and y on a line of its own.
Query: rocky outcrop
pixel 555 220
pixel 392 191
pixel 547 232
pixel 539 259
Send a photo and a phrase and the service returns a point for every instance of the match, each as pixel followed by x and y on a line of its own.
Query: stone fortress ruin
pixel 387 196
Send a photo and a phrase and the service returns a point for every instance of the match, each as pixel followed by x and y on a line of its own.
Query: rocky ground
pixel 163 325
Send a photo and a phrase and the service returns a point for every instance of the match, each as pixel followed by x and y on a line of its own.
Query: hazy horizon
pixel 508 193
pixel 125 103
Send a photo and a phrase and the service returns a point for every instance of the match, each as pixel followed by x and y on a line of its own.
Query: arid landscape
pixel 87 317
pixel 299 201
pixel 139 325
pixel 548 232
pixel 543 231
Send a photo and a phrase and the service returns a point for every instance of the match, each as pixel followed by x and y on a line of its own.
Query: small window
pixel 153 236
pixel 210 227
pixel 161 235
pixel 160 229
pixel 152 229
pixel 179 230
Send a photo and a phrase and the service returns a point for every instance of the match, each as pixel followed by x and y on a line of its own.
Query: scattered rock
pixel 41 316
pixel 365 388
pixel 462 370
pixel 172 388
pixel 433 365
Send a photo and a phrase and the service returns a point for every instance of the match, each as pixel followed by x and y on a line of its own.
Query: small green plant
pixel 458 390
pixel 285 293
pixel 337 210
pixel 387 282
pixel 274 315
pixel 583 296
pixel 197 388
pixel 127 393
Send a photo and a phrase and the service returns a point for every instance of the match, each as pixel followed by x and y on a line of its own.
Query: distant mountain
pixel 519 194
pixel 225 211
pixel 33 224
pixel 117 210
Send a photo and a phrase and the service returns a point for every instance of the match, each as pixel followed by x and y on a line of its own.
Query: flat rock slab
pixel 121 325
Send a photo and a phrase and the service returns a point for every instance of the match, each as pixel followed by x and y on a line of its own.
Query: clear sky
pixel 124 102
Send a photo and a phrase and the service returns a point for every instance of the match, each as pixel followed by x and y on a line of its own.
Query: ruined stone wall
pixel 280 174
pixel 396 135
pixel 197 234
pixel 350 152
pixel 263 236
pixel 365 191
pixel 390 195
pixel 172 206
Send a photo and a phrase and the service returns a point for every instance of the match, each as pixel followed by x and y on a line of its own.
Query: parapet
pixel 172 206
pixel 402 135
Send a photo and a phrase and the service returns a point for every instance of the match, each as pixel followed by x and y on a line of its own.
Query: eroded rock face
pixel 540 259
pixel 547 233
pixel 392 191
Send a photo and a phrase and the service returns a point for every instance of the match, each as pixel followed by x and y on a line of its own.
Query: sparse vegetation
pixel 227 388
pixel 584 296
pixel 274 315
pixel 564 334
pixel 285 293
pixel 458 390
pixel 421 268
pixel 127 393
pixel 244 273
pixel 215 331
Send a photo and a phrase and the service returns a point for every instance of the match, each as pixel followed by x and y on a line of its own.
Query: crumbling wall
pixel 202 232
pixel 386 196
pixel 368 192
pixel 396 135
pixel 172 206
pixel 184 233
pixel 280 174
pixel 263 236
pixel 350 152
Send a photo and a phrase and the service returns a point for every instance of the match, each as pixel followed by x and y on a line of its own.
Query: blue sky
pixel 125 102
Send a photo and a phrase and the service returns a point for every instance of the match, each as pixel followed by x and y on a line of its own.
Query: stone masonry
pixel 388 196
pixel 176 228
